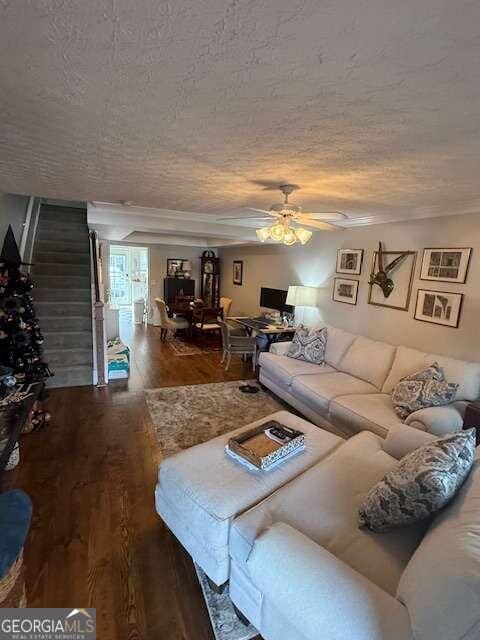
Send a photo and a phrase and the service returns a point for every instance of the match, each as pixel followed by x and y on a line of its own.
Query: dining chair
pixel 226 304
pixel 236 345
pixel 168 324
pixel 205 319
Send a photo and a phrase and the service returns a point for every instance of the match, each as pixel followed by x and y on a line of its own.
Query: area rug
pixel 184 348
pixel 185 416
pixel 225 623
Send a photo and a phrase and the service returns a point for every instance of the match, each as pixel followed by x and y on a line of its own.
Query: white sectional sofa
pixel 352 390
pixel 301 569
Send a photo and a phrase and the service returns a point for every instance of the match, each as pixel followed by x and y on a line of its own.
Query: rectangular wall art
pixel 349 261
pixel 238 272
pixel 345 290
pixel 439 307
pixel 445 265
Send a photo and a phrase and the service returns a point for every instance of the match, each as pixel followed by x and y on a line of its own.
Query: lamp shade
pixel 300 296
pixel 186 265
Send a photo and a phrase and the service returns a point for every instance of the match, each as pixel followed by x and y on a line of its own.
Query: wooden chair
pixel 237 345
pixel 205 319
pixel 168 324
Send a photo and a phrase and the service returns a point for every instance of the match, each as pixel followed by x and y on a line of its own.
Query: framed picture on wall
pixel 445 265
pixel 345 290
pixel 238 272
pixel 398 268
pixel 349 261
pixel 439 307
pixel 174 267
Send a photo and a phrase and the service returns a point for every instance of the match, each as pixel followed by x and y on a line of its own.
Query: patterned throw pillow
pixel 423 482
pixel 308 345
pixel 426 388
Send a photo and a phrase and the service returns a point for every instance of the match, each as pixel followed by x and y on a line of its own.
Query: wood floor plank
pixel 96 539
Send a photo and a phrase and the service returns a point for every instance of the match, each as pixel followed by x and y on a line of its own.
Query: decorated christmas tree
pixel 20 335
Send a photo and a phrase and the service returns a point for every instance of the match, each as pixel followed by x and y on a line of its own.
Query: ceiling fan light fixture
pixel 263 234
pixel 290 237
pixel 303 235
pixel 278 231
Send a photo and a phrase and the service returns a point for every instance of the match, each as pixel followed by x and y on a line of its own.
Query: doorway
pixel 128 279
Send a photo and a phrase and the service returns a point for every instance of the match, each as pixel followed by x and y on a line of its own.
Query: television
pixel 275 299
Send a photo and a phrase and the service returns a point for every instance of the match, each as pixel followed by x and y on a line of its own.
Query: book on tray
pixel 266 445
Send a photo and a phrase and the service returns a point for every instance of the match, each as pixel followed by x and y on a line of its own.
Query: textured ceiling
pixel 372 106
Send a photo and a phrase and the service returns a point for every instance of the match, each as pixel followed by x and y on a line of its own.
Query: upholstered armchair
pixel 168 324
pixel 226 304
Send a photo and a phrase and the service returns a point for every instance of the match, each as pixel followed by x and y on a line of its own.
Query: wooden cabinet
pixel 173 287
pixel 210 279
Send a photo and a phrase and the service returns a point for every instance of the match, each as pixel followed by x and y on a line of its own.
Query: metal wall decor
pixel 391 278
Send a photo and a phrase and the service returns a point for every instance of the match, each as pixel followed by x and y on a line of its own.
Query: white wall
pixel 314 264
pixel 158 255
pixel 13 210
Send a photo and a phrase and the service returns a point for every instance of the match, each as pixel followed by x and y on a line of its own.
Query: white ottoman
pixel 201 490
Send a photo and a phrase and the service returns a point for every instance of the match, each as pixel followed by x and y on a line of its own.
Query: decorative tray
pixel 259 448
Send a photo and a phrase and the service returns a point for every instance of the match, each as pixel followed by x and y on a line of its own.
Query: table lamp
pixel 302 296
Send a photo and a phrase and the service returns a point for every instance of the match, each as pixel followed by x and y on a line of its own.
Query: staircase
pixel 62 294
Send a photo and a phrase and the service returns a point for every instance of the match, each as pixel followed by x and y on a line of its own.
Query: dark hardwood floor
pixel 96 539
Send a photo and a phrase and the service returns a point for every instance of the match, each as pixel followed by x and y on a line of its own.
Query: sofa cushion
pixel 465 374
pixel 441 584
pixel 423 483
pixel 338 341
pixel 369 360
pixel 322 503
pixel 283 370
pixel 373 412
pixel 308 345
pixel 318 391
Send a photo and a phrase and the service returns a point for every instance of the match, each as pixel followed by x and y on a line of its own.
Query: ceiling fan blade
pixel 267 211
pixel 243 218
pixel 326 215
pixel 317 224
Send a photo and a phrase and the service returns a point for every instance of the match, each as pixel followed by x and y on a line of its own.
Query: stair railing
pixel 98 317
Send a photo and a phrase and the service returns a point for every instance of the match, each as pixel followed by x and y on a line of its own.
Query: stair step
pixel 63 357
pixel 67 214
pixel 65 296
pixel 67 339
pixel 62 226
pixel 57 309
pixel 50 324
pixel 61 269
pixel 62 282
pixel 63 235
pixel 62 246
pixel 61 257
pixel 76 376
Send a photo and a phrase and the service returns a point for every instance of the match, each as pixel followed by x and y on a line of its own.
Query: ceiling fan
pixel 287 216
